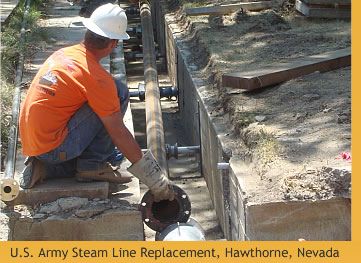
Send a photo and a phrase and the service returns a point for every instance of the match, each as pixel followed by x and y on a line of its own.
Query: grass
pixel 264 146
pixel 10 52
pixel 245 119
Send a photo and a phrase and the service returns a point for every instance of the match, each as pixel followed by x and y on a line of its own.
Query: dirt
pixel 286 131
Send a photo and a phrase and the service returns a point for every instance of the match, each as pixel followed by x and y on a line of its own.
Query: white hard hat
pixel 109 21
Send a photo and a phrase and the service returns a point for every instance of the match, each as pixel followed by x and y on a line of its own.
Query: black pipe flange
pixel 159 215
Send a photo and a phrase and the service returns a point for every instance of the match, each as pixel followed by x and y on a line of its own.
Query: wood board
pixel 277 73
pixel 327 2
pixel 226 9
pixel 322 12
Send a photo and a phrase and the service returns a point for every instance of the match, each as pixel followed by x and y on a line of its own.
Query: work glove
pixel 148 171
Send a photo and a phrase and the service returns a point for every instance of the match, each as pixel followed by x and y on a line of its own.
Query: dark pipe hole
pixel 7 189
pixel 165 210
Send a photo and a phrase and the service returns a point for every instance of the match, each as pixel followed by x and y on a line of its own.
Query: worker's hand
pixel 163 190
pixel 148 171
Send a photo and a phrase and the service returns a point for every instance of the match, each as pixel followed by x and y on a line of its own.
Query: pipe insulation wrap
pixel 154 121
pixel 190 231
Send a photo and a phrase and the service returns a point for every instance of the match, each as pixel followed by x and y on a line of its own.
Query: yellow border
pixel 347 251
pixel 356 110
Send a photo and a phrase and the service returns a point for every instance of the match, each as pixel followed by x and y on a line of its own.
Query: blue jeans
pixel 87 145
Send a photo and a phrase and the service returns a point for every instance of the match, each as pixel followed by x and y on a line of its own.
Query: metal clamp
pixel 165 92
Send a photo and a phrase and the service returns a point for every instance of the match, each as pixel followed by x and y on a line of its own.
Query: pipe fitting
pixel 9 189
pixel 134 55
pixel 164 92
pixel 159 215
pixel 189 231
pixel 174 150
pixel 131 11
pixel 223 166
pixel 134 30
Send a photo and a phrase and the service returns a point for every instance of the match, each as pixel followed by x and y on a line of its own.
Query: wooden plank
pixel 226 9
pixel 327 2
pixel 322 12
pixel 281 72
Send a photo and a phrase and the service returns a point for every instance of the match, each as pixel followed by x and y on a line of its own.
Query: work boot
pixel 104 174
pixel 34 173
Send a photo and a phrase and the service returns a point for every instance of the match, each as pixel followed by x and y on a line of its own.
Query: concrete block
pixel 58 188
pixel 233 199
pixel 234 232
pixel 241 201
pixel 116 218
pixel 114 224
pixel 315 221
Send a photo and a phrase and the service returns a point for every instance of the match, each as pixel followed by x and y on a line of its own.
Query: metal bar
pixel 14 128
pixel 223 166
pixel 189 149
pixel 154 121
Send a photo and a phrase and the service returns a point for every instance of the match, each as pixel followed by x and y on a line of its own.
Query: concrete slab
pixel 314 221
pixel 6 8
pixel 111 222
pixel 58 188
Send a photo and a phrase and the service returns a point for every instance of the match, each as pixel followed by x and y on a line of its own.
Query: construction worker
pixel 72 116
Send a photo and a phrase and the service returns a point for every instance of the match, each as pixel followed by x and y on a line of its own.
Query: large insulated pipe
pixel 154 121
pixel 190 231
pixel 9 187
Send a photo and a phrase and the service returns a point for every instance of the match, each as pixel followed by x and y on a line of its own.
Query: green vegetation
pixel 265 147
pixel 10 39
pixel 10 52
pixel 245 119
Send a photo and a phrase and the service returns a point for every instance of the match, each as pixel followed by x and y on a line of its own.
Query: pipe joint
pixel 164 92
pixel 174 150
pixel 159 215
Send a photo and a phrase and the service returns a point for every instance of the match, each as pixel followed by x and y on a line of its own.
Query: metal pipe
pixel 165 92
pixel 134 55
pixel 154 121
pixel 223 166
pixel 9 187
pixel 174 150
pixel 188 149
pixel 190 231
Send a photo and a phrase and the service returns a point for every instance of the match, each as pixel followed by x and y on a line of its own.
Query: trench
pixel 185 171
pixel 218 196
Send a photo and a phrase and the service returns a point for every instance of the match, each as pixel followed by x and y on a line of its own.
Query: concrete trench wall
pixel 238 218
